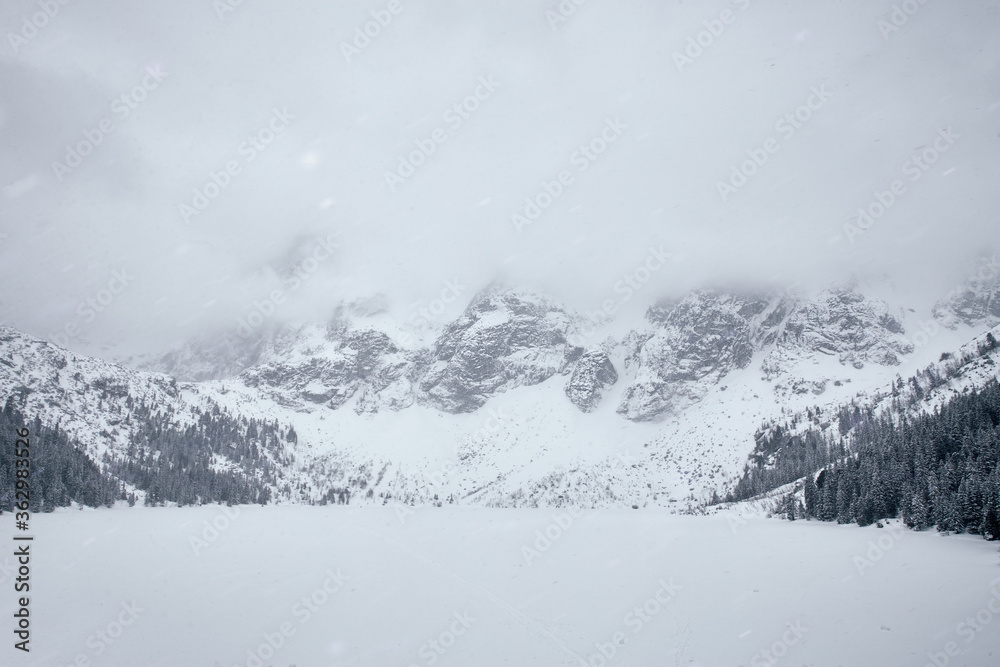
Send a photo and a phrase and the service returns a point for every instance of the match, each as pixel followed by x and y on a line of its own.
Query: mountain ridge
pixel 502 407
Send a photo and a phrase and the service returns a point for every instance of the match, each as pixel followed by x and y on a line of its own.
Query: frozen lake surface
pixel 311 586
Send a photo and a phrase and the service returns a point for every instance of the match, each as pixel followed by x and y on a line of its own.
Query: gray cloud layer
pixel 682 126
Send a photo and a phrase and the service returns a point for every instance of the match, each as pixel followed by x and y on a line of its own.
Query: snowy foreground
pixel 312 586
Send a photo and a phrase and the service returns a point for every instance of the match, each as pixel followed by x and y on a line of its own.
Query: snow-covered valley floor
pixel 312 586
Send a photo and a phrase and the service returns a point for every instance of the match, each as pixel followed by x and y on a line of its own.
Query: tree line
pixel 60 472
pixel 217 459
pixel 939 469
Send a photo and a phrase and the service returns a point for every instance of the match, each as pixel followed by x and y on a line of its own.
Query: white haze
pixel 654 188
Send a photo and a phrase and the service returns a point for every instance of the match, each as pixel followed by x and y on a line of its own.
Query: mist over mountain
pixel 531 332
pixel 516 400
pixel 803 144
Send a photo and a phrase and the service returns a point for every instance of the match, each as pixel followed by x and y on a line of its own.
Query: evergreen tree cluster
pixel 939 469
pixel 781 457
pixel 59 473
pixel 217 459
pixel 336 496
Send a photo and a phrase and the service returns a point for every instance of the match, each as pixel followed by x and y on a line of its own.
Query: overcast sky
pixel 198 81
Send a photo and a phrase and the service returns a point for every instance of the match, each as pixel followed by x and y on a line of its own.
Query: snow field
pixel 304 586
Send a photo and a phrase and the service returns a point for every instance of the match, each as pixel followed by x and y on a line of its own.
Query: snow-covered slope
pixel 501 408
pixel 87 397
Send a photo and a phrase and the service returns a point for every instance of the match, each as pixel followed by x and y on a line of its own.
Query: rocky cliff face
pixel 333 367
pixel 842 324
pixel 693 345
pixel 688 348
pixel 503 340
pixel 977 301
pixel 506 338
pixel 838 325
pixel 593 374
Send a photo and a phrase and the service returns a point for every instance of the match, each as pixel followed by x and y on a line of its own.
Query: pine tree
pixel 921 512
pixel 812 497
pixel 829 508
pixel 845 501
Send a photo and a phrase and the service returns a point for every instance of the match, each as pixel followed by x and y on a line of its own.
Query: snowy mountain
pixel 501 407
pixel 976 302
pixel 698 342
pixel 83 395
pixel 152 438
pixel 507 339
